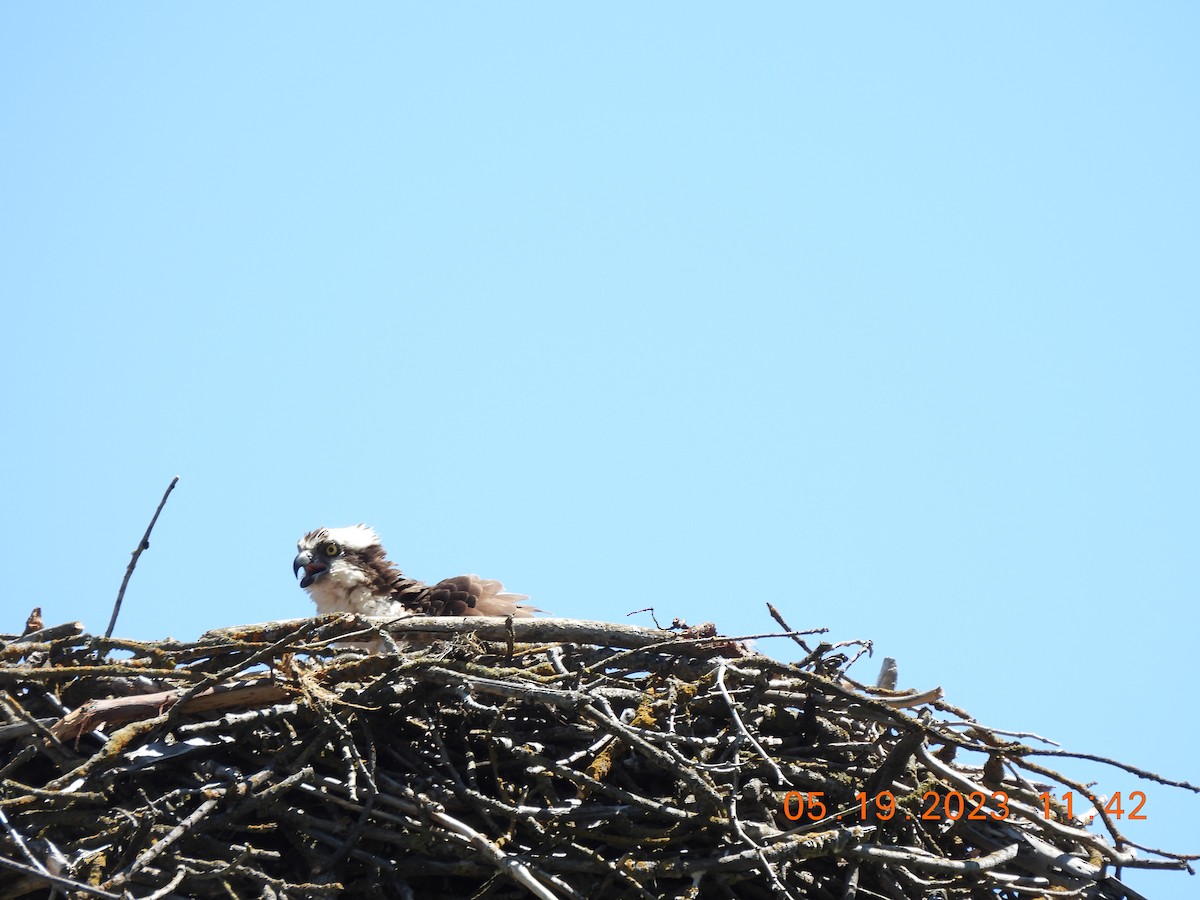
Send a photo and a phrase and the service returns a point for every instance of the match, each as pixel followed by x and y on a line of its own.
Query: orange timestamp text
pixel 939 805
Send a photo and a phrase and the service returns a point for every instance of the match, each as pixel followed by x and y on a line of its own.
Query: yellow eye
pixel 331 549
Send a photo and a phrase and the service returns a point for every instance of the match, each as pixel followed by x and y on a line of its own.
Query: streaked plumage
pixel 347 570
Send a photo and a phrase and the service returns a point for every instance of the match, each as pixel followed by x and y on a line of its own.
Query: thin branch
pixel 56 880
pixel 143 545
pixel 792 633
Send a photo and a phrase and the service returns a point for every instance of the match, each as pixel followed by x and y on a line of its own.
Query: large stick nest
pixel 493 759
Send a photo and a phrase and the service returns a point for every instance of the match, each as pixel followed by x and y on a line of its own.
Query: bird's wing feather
pixel 467 595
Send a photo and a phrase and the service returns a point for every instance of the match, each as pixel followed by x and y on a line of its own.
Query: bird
pixel 347 570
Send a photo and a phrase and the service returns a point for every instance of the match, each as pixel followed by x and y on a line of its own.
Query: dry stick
pixel 21 729
pixel 156 849
pixel 767 868
pixel 51 746
pixel 919 859
pixel 677 646
pixel 19 840
pixel 606 718
pixel 614 870
pixel 780 779
pixel 143 545
pixel 117 711
pixel 459 787
pixel 794 847
pixel 67 629
pixel 895 763
pixel 868 647
pixel 778 617
pixel 58 880
pixel 850 888
pixel 166 889
pixel 1117 764
pixel 61 673
pixel 492 628
pixel 1037 822
pixel 1013 734
pixel 1116 854
pixel 354 762
pixel 580 779
pixel 121 738
pixel 241 665
pixel 512 866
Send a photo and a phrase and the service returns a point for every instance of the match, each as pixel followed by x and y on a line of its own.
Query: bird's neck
pixel 348 592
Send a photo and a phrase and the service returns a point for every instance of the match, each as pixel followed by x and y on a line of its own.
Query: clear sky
pixel 884 313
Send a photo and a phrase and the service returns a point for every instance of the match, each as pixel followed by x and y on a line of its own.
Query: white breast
pixel 346 589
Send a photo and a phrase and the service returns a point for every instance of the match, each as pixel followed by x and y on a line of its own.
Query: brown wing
pixel 462 595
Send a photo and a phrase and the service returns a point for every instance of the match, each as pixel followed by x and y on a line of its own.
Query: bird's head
pixel 340 565
pixel 328 552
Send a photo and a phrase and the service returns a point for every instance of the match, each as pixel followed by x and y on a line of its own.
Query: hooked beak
pixel 312 567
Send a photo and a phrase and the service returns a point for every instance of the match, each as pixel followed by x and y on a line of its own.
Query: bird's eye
pixel 332 549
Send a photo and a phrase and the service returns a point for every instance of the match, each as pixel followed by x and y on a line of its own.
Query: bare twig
pixel 143 545
pixel 780 778
pixel 56 880
pixel 792 633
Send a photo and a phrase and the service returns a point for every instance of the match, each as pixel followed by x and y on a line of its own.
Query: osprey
pixel 347 570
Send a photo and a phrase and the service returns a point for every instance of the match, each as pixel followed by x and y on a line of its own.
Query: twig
pixel 780 778
pixel 56 880
pixel 166 889
pixel 143 545
pixel 794 635
pixel 19 840
pixel 925 861
pixel 1116 764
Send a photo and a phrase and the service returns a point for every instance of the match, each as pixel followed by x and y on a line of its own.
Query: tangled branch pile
pixel 492 759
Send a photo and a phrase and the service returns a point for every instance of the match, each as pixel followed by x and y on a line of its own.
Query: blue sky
pixel 886 314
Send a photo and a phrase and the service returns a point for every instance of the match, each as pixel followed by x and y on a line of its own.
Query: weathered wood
pixel 102 714
pixel 488 628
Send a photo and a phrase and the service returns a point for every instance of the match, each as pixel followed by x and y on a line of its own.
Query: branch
pixel 494 628
pixel 143 545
